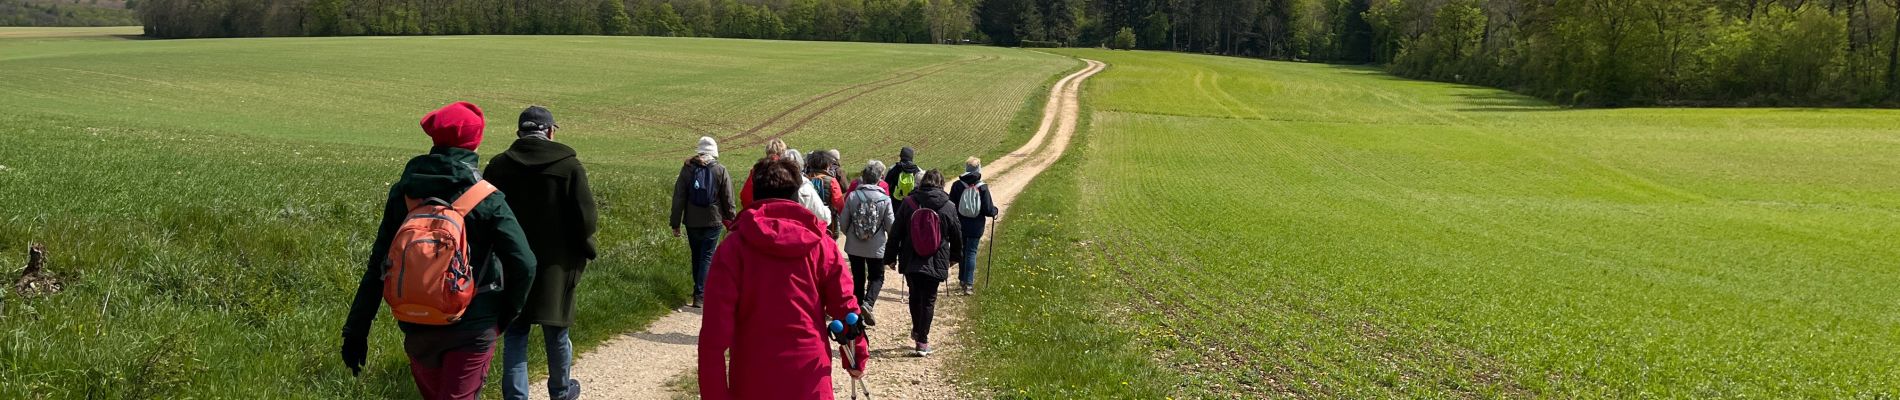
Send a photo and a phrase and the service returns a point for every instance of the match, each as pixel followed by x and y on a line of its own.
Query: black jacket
pixel 905 165
pixel 900 248
pixel 547 188
pixel 973 226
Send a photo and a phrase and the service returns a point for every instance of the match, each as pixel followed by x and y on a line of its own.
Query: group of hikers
pixel 465 257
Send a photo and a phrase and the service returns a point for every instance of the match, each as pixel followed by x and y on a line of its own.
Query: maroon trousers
pixel 460 376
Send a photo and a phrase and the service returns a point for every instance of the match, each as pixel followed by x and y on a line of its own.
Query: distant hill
pixel 68 12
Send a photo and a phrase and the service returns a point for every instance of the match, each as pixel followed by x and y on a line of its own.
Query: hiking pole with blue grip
pixel 848 350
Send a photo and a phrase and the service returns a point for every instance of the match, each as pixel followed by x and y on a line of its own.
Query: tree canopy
pixel 1585 52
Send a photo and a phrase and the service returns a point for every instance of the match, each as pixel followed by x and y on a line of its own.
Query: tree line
pixel 1584 52
pixel 898 21
pixel 1637 52
pixel 67 13
pixel 1581 52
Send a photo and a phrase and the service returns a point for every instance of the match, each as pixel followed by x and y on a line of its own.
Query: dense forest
pixel 67 13
pixel 1584 52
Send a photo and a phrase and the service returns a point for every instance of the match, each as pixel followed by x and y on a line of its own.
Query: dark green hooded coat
pixel 547 188
pixel 494 237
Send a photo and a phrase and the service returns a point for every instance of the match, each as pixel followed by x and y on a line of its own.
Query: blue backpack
pixel 702 193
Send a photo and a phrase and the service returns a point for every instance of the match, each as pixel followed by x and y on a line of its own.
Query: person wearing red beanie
pixel 455 125
pixel 449 361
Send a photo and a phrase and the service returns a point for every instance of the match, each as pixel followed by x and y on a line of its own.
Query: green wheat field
pixel 1221 227
pixel 1241 228
pixel 209 204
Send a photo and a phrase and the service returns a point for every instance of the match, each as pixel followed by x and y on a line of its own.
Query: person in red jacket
pixel 774 283
pixel 773 150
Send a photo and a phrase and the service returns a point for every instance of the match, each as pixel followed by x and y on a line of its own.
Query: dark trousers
pixel 703 241
pixel 867 281
pixel 459 377
pixel 923 305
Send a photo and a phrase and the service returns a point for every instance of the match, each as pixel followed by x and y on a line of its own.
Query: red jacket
pixel 745 194
pixel 772 285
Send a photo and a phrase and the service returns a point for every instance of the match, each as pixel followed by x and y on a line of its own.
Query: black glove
pixel 355 353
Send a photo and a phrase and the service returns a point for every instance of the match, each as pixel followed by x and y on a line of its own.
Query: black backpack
pixel 702 192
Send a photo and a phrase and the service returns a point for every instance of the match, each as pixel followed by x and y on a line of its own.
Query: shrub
pixel 1123 39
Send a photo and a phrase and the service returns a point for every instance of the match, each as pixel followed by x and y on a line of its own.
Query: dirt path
pixel 640 365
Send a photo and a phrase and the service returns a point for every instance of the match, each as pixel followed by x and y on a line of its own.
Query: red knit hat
pixel 455 125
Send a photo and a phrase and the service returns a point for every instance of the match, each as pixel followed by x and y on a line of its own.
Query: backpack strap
pixel 473 196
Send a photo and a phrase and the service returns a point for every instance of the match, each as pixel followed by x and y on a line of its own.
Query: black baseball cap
pixel 537 119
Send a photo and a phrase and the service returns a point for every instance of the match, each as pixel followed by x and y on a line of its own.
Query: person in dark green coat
pixel 547 188
pixel 448 361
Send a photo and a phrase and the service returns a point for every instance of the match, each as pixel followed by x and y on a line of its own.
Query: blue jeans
pixel 966 272
pixel 703 241
pixel 514 361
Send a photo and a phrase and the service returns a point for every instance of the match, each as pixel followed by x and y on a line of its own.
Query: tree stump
pixel 35 280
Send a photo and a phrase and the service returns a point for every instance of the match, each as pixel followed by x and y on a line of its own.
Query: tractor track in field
pixel 751 135
pixel 640 365
pixel 699 127
pixel 869 87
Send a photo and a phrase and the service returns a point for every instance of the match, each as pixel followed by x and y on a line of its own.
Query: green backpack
pixel 906 182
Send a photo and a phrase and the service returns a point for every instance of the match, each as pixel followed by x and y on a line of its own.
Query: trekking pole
pixel 846 351
pixel 996 228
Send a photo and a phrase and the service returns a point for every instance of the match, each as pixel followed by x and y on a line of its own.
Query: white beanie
pixel 708 147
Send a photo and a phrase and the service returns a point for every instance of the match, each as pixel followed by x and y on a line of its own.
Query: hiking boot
pixel 969 290
pixel 868 319
pixel 699 301
pixel 923 349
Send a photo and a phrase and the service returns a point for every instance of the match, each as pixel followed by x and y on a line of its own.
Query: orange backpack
pixel 427 277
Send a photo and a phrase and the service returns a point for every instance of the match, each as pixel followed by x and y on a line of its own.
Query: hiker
pixel 974 207
pixel 807 194
pixel 923 241
pixel 774 283
pixel 818 169
pixel 549 194
pixel 902 178
pixel 866 224
pixel 449 342
pixel 702 201
pixel 773 150
pixel 836 169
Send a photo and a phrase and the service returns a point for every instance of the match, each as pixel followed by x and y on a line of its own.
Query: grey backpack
pixel 971 203
pixel 867 216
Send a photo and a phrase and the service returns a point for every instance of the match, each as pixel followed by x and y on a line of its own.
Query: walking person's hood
pixel 443 173
pixel 931 197
pixel 971 178
pixel 780 229
pixel 536 153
